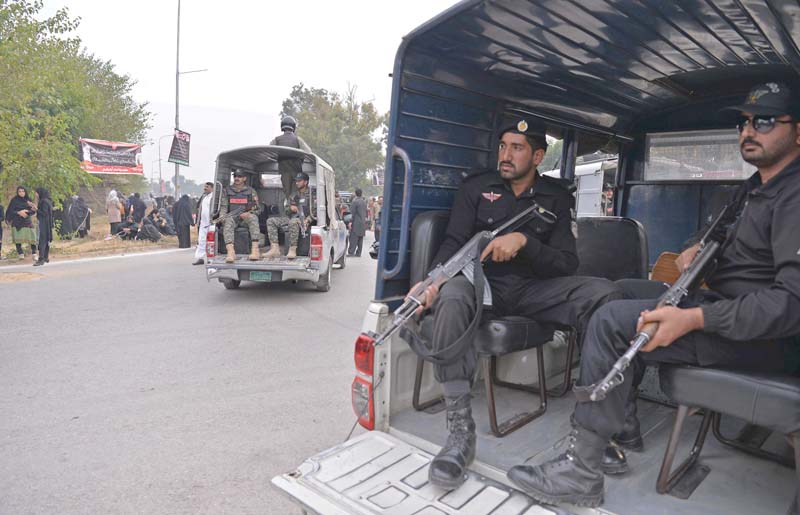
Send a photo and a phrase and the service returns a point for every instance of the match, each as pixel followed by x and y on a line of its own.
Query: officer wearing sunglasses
pixel 746 319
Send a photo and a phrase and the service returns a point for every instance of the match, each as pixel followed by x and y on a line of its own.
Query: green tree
pixel 51 94
pixel 346 133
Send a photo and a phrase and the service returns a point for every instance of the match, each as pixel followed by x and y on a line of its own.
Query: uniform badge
pixel 491 196
pixel 522 126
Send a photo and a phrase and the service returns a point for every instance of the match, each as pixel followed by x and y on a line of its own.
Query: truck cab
pixel 642 83
pixel 320 246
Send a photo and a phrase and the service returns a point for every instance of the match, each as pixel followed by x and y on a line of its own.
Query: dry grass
pixel 95 244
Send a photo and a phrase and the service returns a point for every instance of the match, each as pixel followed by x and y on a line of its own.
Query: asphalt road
pixel 134 386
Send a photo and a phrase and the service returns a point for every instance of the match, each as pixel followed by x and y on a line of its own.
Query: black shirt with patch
pixel 485 201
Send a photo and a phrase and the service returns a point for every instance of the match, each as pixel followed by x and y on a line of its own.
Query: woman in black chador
pixel 182 214
pixel 44 213
pixel 19 216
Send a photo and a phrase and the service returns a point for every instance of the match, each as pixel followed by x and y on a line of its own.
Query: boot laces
pixel 571 439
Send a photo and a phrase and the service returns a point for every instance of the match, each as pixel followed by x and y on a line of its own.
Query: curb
pixel 29 266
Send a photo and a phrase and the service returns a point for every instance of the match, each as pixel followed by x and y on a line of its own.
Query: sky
pixel 254 52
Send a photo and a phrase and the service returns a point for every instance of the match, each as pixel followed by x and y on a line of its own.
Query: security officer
pixel 529 272
pixel 298 215
pixel 746 320
pixel 240 202
pixel 289 166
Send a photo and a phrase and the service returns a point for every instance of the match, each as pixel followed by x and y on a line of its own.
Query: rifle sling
pixel 458 348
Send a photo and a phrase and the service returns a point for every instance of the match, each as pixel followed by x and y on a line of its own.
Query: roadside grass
pixel 95 244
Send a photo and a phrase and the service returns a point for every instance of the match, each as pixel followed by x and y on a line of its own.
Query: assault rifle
pixel 688 280
pixel 463 261
pixel 302 215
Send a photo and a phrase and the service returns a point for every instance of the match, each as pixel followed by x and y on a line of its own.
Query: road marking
pixel 28 266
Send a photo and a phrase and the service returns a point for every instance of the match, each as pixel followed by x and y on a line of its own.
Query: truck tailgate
pixel 379 473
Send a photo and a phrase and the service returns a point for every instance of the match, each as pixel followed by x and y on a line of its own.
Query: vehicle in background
pixel 594 184
pixel 322 245
pixel 644 80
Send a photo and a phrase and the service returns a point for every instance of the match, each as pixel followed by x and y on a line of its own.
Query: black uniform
pixel 289 166
pixel 750 312
pixel 534 284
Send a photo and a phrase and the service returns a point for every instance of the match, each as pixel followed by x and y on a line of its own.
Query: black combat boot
pixel 630 438
pixel 614 461
pixel 449 468
pixel 574 477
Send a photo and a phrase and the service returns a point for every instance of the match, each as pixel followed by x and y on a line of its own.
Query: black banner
pixel 179 152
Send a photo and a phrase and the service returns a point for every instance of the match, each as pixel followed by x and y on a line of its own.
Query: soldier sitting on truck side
pixel 298 216
pixel 239 205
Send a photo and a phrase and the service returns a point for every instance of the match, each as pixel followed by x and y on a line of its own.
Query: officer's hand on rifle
pixel 428 297
pixel 673 323
pixel 293 209
pixel 686 257
pixel 504 248
pixel 245 216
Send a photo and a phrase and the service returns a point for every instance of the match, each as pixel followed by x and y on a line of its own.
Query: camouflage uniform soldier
pixel 298 216
pixel 241 201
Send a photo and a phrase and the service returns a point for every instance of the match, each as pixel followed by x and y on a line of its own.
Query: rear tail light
pixel 362 388
pixel 315 249
pixel 211 244
pixel 364 353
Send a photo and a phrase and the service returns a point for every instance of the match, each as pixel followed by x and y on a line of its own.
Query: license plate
pixel 262 277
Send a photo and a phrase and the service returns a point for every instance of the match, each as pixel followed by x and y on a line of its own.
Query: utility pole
pixel 178 73
pixel 177 90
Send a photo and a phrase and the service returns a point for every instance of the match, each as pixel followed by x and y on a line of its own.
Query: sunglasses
pixel 762 124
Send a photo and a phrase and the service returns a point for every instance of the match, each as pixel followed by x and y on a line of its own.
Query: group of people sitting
pixel 150 227
pixel 240 206
pixel 744 320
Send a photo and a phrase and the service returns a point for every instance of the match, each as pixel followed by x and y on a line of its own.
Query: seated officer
pixel 529 272
pixel 746 320
pixel 239 205
pixel 298 215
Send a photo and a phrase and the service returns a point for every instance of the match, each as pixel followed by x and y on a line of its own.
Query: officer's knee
pixel 608 290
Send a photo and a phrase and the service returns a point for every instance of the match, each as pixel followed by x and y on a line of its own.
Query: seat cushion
pixel 501 335
pixel 768 400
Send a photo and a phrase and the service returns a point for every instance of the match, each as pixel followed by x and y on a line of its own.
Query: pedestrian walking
pixel 182 214
pixel 44 216
pixel 203 222
pixel 358 224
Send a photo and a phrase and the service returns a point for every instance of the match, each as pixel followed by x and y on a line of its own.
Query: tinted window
pixel 695 156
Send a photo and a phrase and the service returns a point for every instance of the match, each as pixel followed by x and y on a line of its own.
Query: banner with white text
pixel 101 156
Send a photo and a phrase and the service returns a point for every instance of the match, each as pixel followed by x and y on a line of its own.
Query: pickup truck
pixel 322 245
pixel 641 79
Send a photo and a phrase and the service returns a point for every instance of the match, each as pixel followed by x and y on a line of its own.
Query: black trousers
pixel 608 335
pixel 184 239
pixel 44 249
pixel 356 242
pixel 567 301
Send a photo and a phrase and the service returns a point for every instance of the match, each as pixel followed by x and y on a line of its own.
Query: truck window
pixel 695 156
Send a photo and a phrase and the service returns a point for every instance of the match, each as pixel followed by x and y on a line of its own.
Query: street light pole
pixel 177 89
pixel 178 73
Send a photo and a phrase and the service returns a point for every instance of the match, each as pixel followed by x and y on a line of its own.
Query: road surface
pixel 134 386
